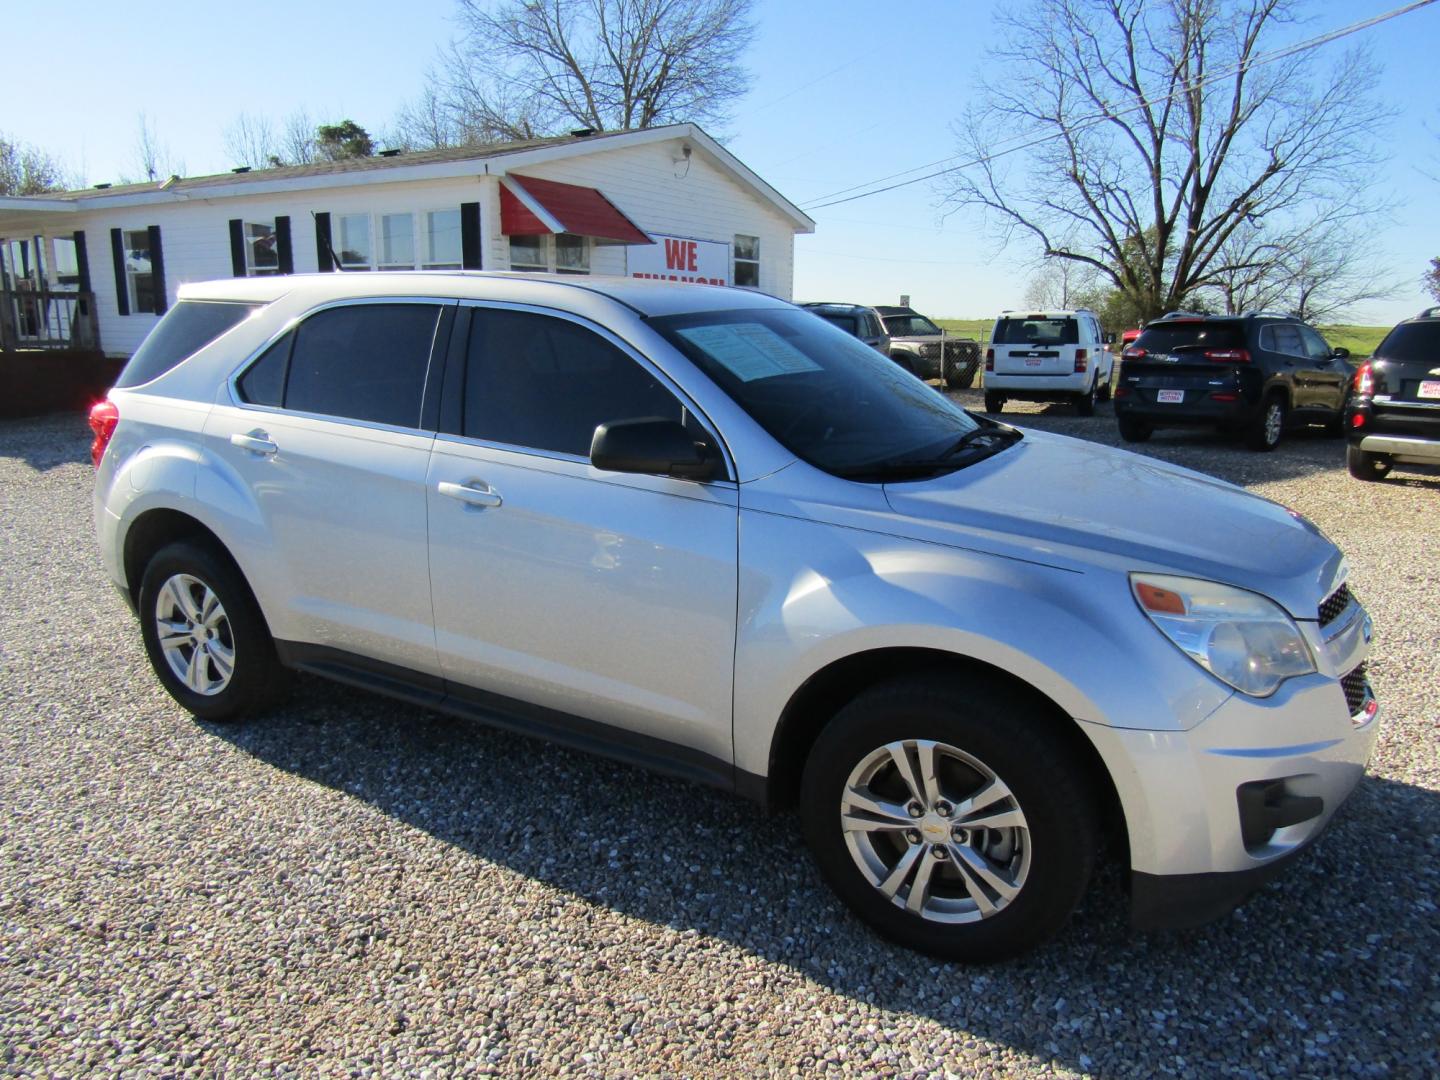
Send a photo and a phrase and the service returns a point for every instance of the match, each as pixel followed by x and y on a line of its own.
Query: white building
pixel 667 202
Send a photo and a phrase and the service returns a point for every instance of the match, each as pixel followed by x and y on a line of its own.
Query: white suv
pixel 702 530
pixel 1048 356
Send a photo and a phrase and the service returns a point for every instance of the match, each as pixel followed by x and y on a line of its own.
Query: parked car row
pixel 907 337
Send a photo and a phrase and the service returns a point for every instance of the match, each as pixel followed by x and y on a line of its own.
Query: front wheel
pixel 1364 465
pixel 994 403
pixel 205 635
pixel 951 819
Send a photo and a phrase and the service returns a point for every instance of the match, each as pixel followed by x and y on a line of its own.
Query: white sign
pixel 678 258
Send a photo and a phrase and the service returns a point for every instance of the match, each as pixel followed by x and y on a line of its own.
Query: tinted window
pixel 910 326
pixel 1037 332
pixel 1190 334
pixel 831 399
pixel 545 383
pixel 849 323
pixel 1412 341
pixel 363 362
pixel 1315 346
pixel 186 329
pixel 264 381
pixel 1282 338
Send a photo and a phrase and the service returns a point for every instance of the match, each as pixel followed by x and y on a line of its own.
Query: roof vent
pixel 101 186
pixel 241 169
pixel 581 133
pixel 391 153
pixel 170 181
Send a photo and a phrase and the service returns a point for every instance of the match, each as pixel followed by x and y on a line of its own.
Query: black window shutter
pixel 122 287
pixel 82 259
pixel 237 247
pixel 283 251
pixel 324 253
pixel 157 270
pixel 470 236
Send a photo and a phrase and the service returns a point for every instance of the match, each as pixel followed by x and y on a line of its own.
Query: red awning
pixel 533 207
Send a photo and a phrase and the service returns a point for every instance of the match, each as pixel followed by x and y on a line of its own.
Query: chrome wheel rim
pixel 936 831
pixel 1273 417
pixel 194 634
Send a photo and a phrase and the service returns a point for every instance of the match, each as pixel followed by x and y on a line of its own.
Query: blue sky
pixel 861 91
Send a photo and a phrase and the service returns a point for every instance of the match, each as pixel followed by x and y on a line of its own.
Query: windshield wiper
pixel 987 440
pixel 997 436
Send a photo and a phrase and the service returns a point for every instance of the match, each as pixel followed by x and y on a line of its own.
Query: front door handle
pixel 257 442
pixel 482 495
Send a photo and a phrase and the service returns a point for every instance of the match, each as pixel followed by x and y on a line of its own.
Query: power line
pixel 1253 62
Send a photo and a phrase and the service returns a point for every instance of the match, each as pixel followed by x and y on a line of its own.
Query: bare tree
pixel 28 170
pixel 152 155
pixel 424 124
pixel 297 140
pixel 250 140
pixel 1060 285
pixel 1431 279
pixel 1167 130
pixel 523 68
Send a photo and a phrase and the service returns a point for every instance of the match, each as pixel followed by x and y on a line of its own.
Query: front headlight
pixel 1240 637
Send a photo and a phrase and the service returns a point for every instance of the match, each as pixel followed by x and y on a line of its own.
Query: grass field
pixel 1360 340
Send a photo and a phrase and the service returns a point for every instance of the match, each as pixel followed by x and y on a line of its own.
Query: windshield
pixel 910 326
pixel 1036 331
pixel 825 396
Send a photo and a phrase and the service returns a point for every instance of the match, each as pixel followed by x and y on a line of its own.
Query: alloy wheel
pixel 194 634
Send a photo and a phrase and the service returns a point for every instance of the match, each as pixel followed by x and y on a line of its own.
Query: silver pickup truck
pixel 923 349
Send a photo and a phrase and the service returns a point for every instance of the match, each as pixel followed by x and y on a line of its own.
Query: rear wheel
pixel 1132 430
pixel 1085 401
pixel 951 818
pixel 204 633
pixel 1266 429
pixel 994 403
pixel 1364 465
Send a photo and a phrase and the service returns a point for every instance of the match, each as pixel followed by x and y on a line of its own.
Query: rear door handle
pixel 257 442
pixel 481 495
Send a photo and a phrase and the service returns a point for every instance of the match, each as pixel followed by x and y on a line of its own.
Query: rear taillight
pixel 103 418
pixel 1132 354
pixel 1228 356
pixel 1365 379
pixel 989 359
pixel 1082 361
pixel 1224 395
pixel 1357 420
pixel 1122 391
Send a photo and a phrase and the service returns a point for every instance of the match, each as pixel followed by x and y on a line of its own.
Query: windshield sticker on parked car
pixel 749 351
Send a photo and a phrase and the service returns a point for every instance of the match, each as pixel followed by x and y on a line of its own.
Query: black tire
pixel 256 678
pixel 960 376
pixel 1133 430
pixel 1364 465
pixel 904 361
pixel 1085 401
pixel 1007 734
pixel 1105 387
pixel 1266 430
pixel 994 403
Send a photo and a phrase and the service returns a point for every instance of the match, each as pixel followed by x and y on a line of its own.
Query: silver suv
pixel 702 530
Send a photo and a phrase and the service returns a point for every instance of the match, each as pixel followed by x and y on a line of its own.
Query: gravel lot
pixel 354 887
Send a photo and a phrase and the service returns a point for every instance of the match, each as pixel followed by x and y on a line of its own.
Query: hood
pixel 1050 498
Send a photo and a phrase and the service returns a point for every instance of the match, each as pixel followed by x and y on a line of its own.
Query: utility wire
pixel 1253 62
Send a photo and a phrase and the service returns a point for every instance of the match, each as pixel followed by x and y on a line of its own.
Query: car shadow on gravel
pixel 46 442
pixel 1303 978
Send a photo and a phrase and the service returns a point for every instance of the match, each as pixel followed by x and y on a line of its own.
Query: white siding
pixel 697 200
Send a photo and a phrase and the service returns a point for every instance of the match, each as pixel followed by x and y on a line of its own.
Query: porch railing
pixel 48 319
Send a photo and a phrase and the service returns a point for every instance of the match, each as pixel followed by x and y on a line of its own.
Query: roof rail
pixel 1271 315
pixel 1183 315
pixel 1430 313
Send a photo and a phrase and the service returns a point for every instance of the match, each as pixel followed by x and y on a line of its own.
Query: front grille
pixel 1354 687
pixel 1334 604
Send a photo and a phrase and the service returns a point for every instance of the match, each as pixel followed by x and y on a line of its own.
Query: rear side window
pixel 1412 341
pixel 186 329
pixel 1037 332
pixel 848 323
pixel 545 383
pixel 1173 337
pixel 1283 338
pixel 359 362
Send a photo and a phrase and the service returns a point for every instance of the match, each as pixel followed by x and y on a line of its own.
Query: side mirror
pixel 1340 354
pixel 1108 339
pixel 652 446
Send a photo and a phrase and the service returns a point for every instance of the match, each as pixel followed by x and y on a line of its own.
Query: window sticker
pixel 749 351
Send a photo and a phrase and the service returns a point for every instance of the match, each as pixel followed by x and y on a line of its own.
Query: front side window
pixel 442 240
pixel 547 384
pixel 747 261
pixel 362 362
pixel 1315 346
pixel 139 277
pixel 826 396
pixel 262 254
pixel 355 248
pixel 1283 338
pixel 397 242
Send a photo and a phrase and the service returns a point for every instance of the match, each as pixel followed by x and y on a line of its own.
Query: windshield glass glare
pixel 827 397
pixel 910 326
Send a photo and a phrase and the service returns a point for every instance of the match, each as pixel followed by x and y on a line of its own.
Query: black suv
pixel 1255 374
pixel 1394 413
pixel 857 320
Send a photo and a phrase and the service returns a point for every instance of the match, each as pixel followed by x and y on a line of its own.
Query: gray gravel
pixel 353 887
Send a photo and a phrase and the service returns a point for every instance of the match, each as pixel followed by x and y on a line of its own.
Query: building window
pixel 354 250
pixel 563 254
pixel 67 263
pixel 139 276
pixel 397 242
pixel 442 240
pixel 747 261
pixel 262 255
